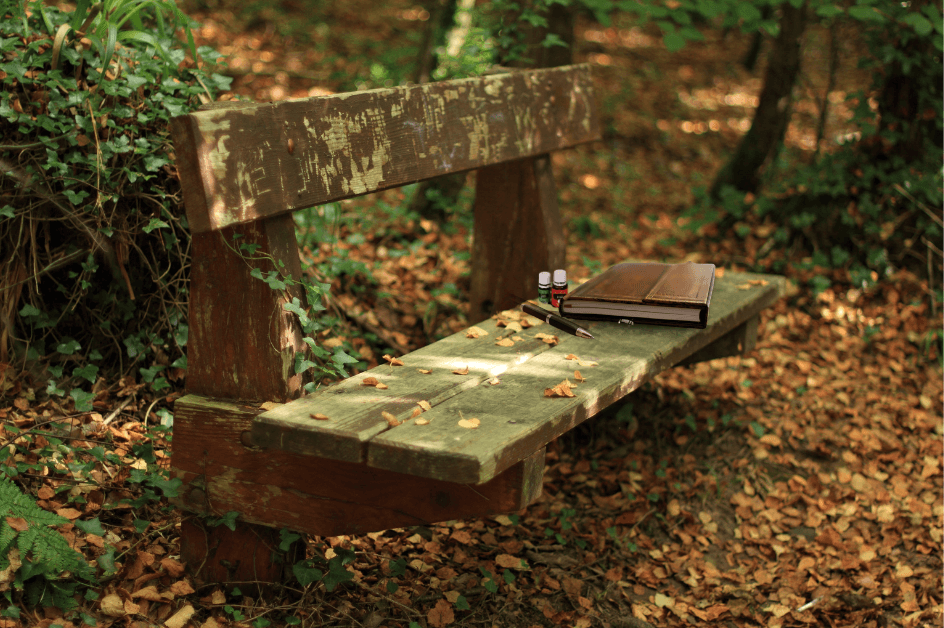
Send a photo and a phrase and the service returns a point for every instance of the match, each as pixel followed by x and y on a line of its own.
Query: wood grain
pixel 355 412
pixel 515 417
pixel 242 343
pixel 518 233
pixel 235 164
pixel 316 495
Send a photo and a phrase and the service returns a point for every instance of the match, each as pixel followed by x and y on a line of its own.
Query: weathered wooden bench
pixel 353 458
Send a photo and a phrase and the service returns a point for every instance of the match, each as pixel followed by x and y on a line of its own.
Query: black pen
pixel 556 321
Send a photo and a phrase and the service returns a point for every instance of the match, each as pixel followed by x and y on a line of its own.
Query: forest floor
pixel 799 485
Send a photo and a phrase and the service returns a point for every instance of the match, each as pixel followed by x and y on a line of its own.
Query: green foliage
pixel 43 563
pixel 91 230
pixel 330 572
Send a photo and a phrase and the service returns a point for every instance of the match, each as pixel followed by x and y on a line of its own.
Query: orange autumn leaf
pixel 580 378
pixel 17 523
pixel 424 404
pixel 469 424
pixel 505 342
pixel 571 356
pixel 547 338
pixel 421 422
pixel 373 381
pixel 462 370
pixel 416 412
pixel 392 360
pixel 425 371
pixel 319 417
pixel 561 390
pixel 391 420
pixel 440 615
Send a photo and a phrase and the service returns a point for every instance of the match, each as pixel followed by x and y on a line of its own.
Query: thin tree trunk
pixel 765 137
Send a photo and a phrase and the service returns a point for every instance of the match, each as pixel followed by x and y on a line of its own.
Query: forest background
pixel 799 485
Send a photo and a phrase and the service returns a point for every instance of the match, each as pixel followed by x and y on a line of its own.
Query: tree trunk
pixel 765 137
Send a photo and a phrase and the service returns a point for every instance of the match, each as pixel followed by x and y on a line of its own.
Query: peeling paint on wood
pixel 235 168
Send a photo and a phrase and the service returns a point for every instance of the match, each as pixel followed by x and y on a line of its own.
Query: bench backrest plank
pixel 243 163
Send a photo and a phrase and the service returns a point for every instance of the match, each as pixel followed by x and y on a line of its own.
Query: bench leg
pixel 248 554
pixel 740 340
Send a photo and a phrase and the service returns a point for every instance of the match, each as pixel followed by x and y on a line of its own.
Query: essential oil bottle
pixel 559 287
pixel 544 287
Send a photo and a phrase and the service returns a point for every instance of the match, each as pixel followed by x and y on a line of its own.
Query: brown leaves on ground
pixel 373 381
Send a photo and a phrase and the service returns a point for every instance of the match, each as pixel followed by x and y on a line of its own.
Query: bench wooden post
pixel 518 233
pixel 245 352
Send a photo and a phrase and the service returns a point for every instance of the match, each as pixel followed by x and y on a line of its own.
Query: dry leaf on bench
pixel 462 370
pixel 425 371
pixel 393 361
pixel 421 422
pixel 373 381
pixel 547 338
pixel 571 356
pixel 318 417
pixel 416 412
pixel 580 378
pixel 424 404
pixel 391 420
pixel 469 424
pixel 561 390
pixel 475 332
pixel 505 342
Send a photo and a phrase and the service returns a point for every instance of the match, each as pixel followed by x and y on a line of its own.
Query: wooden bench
pixel 353 458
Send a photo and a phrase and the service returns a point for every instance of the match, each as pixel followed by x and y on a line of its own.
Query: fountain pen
pixel 556 321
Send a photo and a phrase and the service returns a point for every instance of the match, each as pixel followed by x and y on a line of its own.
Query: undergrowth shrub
pixel 94 246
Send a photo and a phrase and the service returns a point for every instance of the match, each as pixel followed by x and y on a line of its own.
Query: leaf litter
pixel 800 485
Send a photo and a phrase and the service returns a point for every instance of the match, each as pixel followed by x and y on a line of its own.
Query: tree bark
pixel 765 137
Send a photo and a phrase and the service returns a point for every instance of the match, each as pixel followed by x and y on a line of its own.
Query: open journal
pixel 662 294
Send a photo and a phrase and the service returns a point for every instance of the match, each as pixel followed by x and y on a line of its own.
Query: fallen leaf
pixel 469 424
pixel 462 370
pixel 173 567
pixel 270 405
pixel 494 381
pixel 421 422
pixel 580 378
pixel 510 562
pixel 391 420
pixel 425 371
pixel 69 513
pixel 475 332
pixel 440 615
pixel 373 381
pixel 561 390
pixel 148 593
pixel 17 523
pixel 112 605
pixel 180 618
pixel 505 342
pixel 547 338
pixel 181 587
pixel 571 356
pixel 416 412
pixel 424 404
pixel 393 361
pixel 319 417
pixel 218 597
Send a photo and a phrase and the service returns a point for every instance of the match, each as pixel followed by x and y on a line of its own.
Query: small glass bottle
pixel 544 287
pixel 559 287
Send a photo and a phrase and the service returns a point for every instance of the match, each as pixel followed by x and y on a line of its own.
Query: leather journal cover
pixel 661 294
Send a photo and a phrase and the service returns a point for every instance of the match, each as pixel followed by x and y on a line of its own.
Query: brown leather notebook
pixel 661 294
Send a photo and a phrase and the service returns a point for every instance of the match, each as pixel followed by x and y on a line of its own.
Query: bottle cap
pixel 544 277
pixel 560 276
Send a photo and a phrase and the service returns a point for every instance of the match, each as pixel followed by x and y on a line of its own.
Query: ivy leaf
pixel 68 347
pixel 83 400
pixel 92 526
pixel 155 223
pixel 305 573
pixel 919 23
pixel 6 211
pixel 673 41
pixel 88 372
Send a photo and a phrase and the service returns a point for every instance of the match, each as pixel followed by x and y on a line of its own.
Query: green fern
pixel 48 567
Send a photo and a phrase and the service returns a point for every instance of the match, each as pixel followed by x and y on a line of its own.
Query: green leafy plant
pixel 40 557
pixel 85 162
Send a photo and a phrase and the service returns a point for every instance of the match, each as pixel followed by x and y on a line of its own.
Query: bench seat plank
pixel 355 411
pixel 515 418
pixel 242 163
